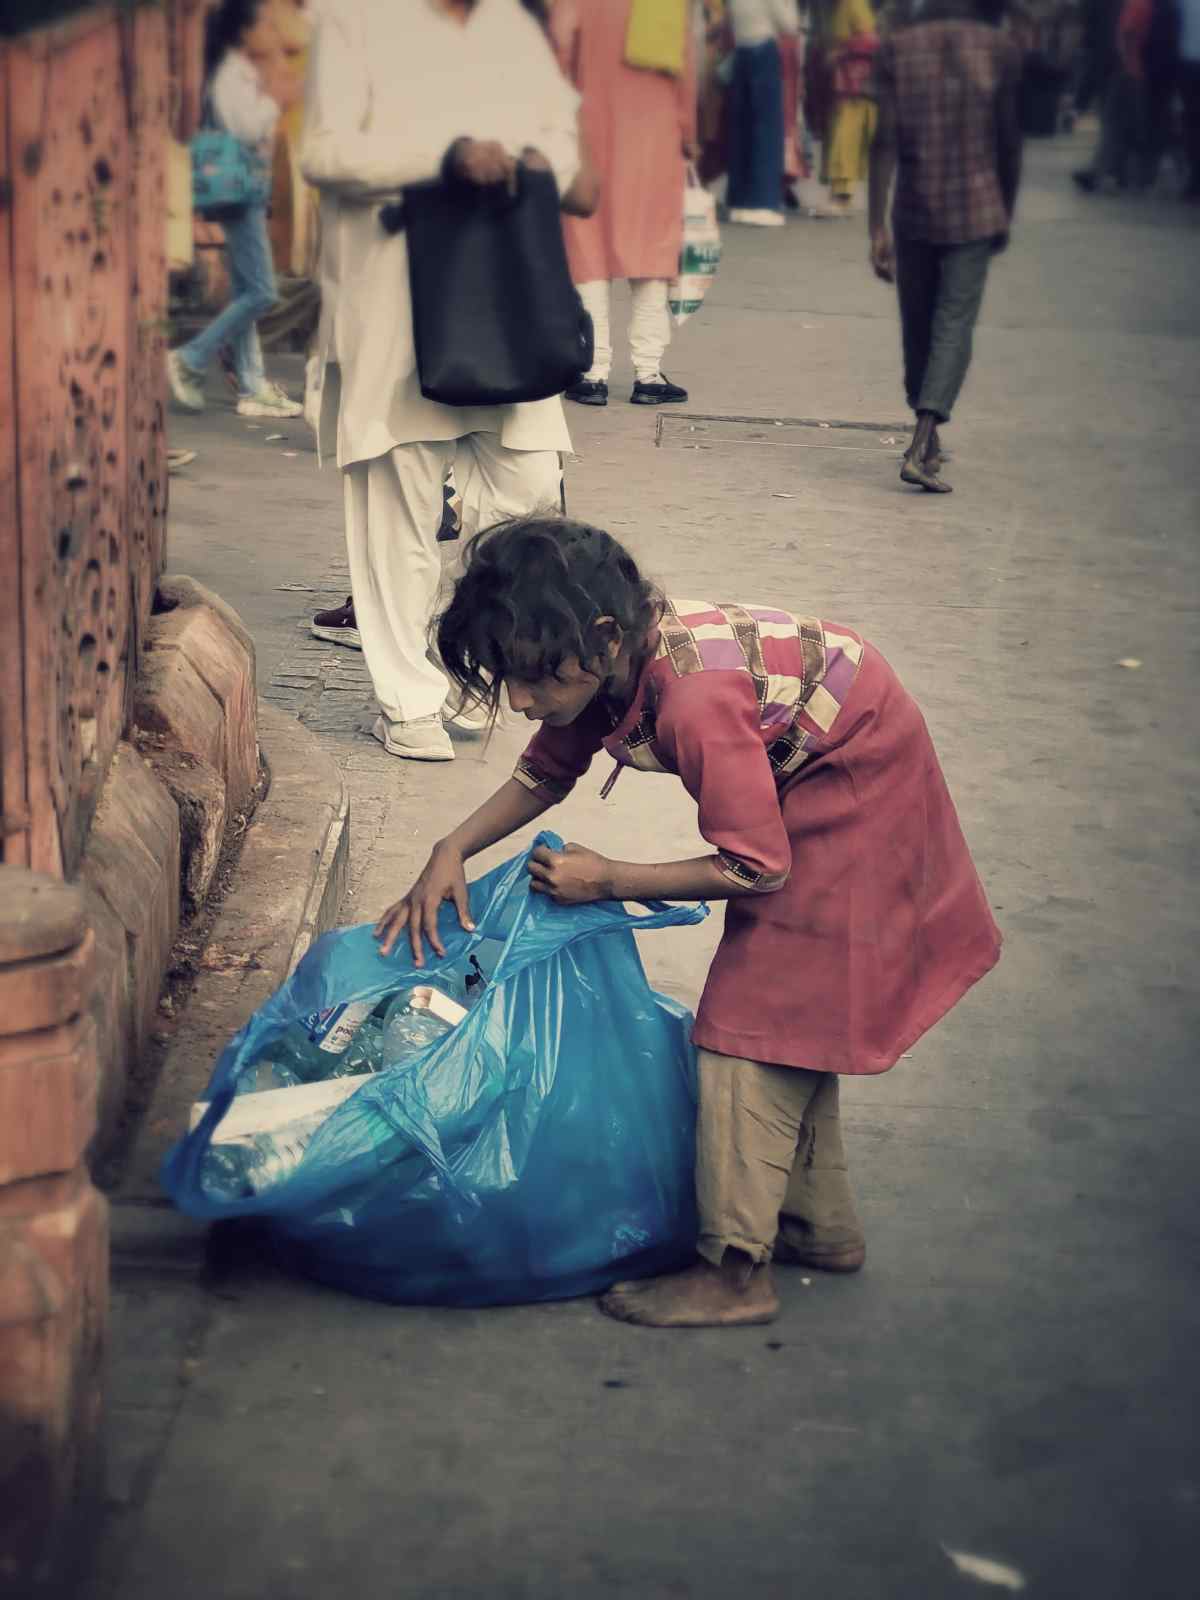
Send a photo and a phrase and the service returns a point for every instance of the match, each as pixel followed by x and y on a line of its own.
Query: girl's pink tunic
pixel 635 123
pixel 818 785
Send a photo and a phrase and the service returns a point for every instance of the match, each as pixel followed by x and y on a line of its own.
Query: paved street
pixel 1014 1374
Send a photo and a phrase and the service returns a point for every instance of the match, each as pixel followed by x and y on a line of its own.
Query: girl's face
pixel 556 701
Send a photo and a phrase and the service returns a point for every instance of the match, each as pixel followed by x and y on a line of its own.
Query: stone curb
pixel 287 890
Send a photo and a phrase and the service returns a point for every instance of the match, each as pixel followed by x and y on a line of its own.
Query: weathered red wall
pixel 82 291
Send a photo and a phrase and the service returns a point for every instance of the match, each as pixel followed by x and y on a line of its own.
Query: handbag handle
pixel 500 198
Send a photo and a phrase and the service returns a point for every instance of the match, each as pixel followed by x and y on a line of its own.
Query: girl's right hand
pixel 443 878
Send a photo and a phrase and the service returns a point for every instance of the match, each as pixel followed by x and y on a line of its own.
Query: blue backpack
pixel 227 175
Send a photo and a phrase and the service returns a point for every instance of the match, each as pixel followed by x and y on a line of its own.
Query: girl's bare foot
pixel 702 1296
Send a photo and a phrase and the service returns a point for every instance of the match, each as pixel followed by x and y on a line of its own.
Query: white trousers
pixel 649 327
pixel 393 507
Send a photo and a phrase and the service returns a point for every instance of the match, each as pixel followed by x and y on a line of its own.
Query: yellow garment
pixel 848 147
pixel 850 18
pixel 656 37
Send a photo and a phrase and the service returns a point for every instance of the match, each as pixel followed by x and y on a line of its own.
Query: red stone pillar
pixel 53 1230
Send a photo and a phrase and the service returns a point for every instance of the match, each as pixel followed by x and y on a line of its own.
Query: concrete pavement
pixel 1013 1376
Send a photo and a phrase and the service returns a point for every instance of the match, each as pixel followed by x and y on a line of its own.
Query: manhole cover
pixel 684 430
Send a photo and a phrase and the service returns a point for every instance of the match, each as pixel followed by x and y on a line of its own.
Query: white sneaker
pixel 422 739
pixel 270 401
pixel 757 218
pixel 839 209
pixel 187 387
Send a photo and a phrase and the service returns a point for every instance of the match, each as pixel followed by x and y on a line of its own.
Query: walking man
pixel 396 95
pixel 949 134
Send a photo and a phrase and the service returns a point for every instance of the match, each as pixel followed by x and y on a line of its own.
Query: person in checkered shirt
pixel 949 135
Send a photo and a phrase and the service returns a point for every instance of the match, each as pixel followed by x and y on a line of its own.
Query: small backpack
pixel 227 175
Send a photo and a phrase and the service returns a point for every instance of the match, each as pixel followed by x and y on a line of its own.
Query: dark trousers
pixel 941 289
pixel 756 130
pixel 1120 153
pixel 1189 94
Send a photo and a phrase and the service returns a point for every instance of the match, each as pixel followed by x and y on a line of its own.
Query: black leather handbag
pixel 496 318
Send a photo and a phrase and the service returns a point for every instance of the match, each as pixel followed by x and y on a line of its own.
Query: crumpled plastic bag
pixel 542 1149
pixel 700 252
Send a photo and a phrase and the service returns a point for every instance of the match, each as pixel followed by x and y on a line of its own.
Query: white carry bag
pixel 699 253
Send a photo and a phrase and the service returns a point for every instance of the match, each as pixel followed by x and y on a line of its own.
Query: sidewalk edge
pixel 287 891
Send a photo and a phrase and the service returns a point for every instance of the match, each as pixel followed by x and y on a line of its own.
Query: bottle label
pixel 333 1029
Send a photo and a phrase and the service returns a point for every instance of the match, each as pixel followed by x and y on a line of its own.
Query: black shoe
pixel 1086 181
pixel 657 394
pixel 588 393
pixel 339 626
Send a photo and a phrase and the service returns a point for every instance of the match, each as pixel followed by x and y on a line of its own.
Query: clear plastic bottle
pixel 238 1168
pixel 364 1052
pixel 276 1155
pixel 226 1169
pixel 266 1074
pixel 312 1049
pixel 409 1026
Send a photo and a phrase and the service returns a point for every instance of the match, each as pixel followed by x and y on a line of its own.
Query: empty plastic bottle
pixel 364 1053
pixel 237 1168
pixel 312 1049
pixel 409 1026
pixel 267 1074
pixel 277 1155
pixel 225 1173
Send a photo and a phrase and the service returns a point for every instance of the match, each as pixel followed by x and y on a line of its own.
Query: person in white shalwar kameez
pixel 392 86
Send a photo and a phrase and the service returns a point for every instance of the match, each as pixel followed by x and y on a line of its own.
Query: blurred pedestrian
pixel 238 103
pixel 1189 92
pixel 795 162
pixel 1122 149
pixel 1160 78
pixel 1099 50
pixel 398 95
pixel 852 42
pixel 757 127
pixel 949 132
pixel 639 128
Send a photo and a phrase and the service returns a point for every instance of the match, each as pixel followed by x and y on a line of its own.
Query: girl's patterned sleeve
pixel 557 758
pixel 708 730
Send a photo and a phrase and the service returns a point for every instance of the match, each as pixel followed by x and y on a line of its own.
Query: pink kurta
pixel 818 785
pixel 635 123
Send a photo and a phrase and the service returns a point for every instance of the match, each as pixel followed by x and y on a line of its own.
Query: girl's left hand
pixel 572 877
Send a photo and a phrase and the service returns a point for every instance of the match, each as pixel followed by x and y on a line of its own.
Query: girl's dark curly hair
pixel 531 596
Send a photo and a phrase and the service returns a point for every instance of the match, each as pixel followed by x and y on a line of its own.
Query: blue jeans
pixel 252 277
pixel 756 130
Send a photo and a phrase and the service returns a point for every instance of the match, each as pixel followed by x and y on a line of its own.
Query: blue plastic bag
pixel 542 1149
